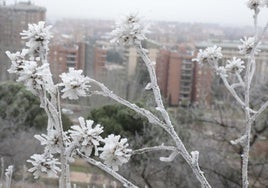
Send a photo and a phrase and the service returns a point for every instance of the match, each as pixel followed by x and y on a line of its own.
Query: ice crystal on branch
pixel 44 163
pixel 85 136
pixel 115 152
pixel 74 83
pixel 255 4
pixel 209 55
pixel 221 71
pixel 17 60
pixel 129 32
pixel 38 37
pixel 9 171
pixel 235 65
pixel 50 141
pixel 34 77
pixel 247 46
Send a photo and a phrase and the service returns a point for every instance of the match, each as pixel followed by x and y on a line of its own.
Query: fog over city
pixel 230 12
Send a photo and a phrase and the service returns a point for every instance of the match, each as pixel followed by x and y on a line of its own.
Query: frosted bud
pixel 148 86
pixel 195 157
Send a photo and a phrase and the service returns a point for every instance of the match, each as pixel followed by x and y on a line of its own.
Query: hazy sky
pixel 214 11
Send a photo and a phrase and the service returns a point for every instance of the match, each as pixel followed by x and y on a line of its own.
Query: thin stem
pixel 262 108
pixel 2 169
pixel 108 93
pixel 65 174
pixel 241 81
pixel 250 69
pixel 155 87
pixel 232 91
pixel 117 176
pixel 158 99
pixel 154 148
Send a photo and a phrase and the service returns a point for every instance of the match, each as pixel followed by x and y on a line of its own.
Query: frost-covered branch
pixel 105 168
pixel 154 148
pixel 108 93
pixel 8 175
pixel 249 48
pixel 130 31
pixel 172 156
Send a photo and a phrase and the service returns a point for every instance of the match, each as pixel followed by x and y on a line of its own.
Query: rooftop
pixel 22 5
pixel 226 44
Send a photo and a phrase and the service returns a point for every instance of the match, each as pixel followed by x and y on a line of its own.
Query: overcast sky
pixel 213 11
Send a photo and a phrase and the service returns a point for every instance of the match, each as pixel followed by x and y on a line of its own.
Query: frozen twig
pixel 154 148
pixel 108 93
pixel 105 168
pixel 240 140
pixel 8 174
pixel 241 81
pixel 262 108
pixel 160 107
pixel 171 157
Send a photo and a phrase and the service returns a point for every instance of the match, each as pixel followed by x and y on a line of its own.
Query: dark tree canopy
pixel 20 107
pixel 119 120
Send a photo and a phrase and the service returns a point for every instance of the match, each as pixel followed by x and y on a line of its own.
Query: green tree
pixel 118 119
pixel 19 107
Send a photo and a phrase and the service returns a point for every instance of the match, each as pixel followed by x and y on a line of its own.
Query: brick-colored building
pixel 99 60
pixel 175 75
pixel 65 55
pixel 162 68
pixel 90 58
pixel 95 58
pixel 202 84
pixel 15 18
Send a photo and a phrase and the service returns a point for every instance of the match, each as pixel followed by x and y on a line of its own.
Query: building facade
pixel 66 55
pixel 175 76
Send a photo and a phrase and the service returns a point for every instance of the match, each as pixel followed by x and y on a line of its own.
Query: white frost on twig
pixel 240 140
pixel 170 158
pixel 195 157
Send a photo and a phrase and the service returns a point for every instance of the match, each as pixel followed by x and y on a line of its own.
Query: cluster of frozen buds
pixel 80 139
pixel 115 151
pixel 236 65
pixel 85 138
pixel 209 55
pixel 50 141
pixel 38 37
pixel 31 71
pixel 74 84
pixel 44 163
pixel 257 4
pixel 248 45
pixel 129 32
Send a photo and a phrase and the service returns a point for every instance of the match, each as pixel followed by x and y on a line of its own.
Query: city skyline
pixel 226 12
